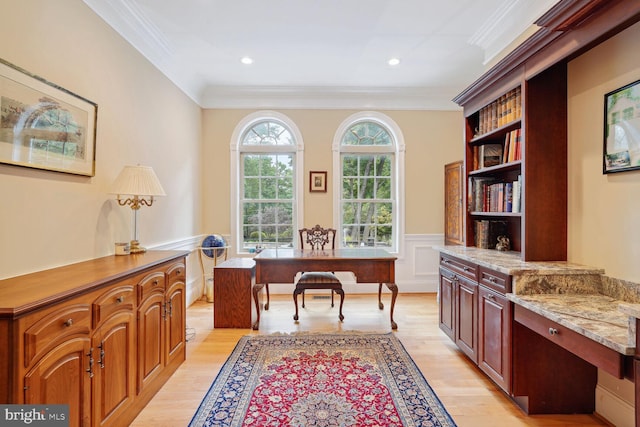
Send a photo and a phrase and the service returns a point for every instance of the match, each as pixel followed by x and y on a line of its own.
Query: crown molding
pixel 328 98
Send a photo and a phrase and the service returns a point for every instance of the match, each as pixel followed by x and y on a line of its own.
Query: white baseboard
pixel 613 409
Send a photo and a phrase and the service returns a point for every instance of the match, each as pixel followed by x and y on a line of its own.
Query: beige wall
pixel 602 209
pixel 49 219
pixel 432 139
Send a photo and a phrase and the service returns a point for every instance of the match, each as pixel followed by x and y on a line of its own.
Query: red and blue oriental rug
pixel 323 380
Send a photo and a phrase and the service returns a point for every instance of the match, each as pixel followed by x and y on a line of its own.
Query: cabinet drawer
pixel 120 298
pixel 151 284
pixel 54 328
pixel 177 272
pixel 585 348
pixel 499 282
pixel 457 265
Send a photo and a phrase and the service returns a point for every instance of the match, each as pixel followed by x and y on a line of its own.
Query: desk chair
pixel 315 239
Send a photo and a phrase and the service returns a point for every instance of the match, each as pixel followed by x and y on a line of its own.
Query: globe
pixel 213 241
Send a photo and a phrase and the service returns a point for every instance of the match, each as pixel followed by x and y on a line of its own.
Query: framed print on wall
pixel 44 126
pixel 622 129
pixel 318 182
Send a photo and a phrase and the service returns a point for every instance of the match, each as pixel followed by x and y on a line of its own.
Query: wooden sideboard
pixel 102 335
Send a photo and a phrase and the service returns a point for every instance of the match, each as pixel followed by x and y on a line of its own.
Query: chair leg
pixel 331 298
pixel 302 292
pixel 341 293
pixel 295 300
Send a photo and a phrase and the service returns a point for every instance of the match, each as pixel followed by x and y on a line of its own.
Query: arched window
pixel 368 162
pixel 267 172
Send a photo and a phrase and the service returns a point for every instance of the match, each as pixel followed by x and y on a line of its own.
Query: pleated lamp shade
pixel 137 181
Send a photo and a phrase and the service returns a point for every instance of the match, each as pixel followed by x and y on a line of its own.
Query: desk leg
pixel 394 294
pixel 255 291
pixel 380 304
pixel 266 304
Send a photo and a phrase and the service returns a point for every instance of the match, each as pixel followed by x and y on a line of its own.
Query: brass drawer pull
pixel 68 322
pixel 120 299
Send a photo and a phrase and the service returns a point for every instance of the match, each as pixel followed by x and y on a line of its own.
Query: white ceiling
pixel 321 53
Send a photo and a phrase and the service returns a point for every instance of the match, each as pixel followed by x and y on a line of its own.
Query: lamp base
pixel 136 248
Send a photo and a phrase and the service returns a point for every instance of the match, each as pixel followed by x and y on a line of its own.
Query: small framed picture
pixel 318 182
pixel 622 129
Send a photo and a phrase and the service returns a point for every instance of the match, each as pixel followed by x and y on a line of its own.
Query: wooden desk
pixel 369 265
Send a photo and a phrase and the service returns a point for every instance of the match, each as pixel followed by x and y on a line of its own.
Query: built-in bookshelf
pixel 515 164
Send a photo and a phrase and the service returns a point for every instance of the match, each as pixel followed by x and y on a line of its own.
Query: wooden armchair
pixel 316 239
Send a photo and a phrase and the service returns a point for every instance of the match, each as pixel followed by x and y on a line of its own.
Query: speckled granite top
pixel 512 264
pixel 596 316
pixel 575 296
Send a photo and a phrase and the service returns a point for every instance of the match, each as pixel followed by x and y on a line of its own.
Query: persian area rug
pixel 341 379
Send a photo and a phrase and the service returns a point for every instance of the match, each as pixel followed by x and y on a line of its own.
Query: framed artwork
pixel 44 126
pixel 622 129
pixel 318 181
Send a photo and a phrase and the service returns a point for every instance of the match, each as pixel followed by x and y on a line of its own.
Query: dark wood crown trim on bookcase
pixel 567 30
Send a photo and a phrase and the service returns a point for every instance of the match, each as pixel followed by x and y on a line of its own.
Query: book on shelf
pixel 490 155
pixel 516 194
pixel 487 232
pixel 512 143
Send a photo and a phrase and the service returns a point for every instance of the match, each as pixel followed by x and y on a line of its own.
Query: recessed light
pixel 246 60
pixel 393 61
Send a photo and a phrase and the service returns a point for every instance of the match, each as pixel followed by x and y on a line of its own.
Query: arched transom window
pixel 267 185
pixel 368 184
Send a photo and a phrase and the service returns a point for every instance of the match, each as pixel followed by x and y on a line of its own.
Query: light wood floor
pixel 470 398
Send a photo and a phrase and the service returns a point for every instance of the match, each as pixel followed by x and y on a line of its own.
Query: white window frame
pixel 237 172
pixel 398 149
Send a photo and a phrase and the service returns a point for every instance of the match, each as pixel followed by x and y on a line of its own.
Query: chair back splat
pixel 318 239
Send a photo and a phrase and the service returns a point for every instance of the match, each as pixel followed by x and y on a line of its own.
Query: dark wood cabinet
pixel 453 203
pixel 93 335
pixel 494 346
pixel 466 296
pixel 476 315
pixel 233 283
pixel 446 302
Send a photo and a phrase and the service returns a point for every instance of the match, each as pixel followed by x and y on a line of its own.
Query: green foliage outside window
pixel 268 188
pixel 367 205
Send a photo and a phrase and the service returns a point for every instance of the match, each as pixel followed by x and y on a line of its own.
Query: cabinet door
pixel 494 348
pixel 176 324
pixel 447 303
pixel 114 382
pixel 466 293
pixel 453 190
pixel 62 376
pixel 151 355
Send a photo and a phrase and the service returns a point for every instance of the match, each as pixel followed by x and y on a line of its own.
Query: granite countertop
pixel 595 316
pixel 511 263
pixel 575 296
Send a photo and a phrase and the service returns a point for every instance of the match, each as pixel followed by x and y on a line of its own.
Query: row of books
pixel 504 110
pixel 512 146
pixel 487 195
pixel 487 232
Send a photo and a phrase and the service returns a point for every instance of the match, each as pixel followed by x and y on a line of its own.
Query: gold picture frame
pixel 318 181
pixel 43 125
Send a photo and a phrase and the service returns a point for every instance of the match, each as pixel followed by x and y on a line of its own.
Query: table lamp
pixel 136 186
